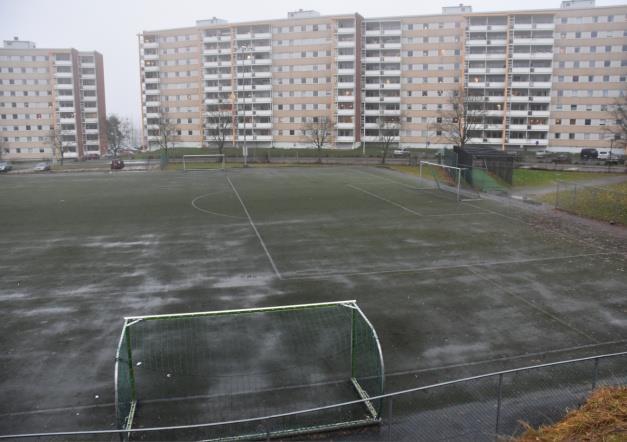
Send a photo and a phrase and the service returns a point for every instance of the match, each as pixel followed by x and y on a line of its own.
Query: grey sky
pixel 111 26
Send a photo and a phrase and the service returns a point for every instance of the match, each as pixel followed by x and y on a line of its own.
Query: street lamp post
pixel 247 51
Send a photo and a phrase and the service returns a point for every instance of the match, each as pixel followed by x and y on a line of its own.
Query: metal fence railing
pixel 484 407
pixel 591 201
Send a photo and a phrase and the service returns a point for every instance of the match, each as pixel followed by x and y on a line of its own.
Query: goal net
pixel 448 179
pixel 203 162
pixel 190 369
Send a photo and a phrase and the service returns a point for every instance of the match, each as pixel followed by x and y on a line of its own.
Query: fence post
pixel 557 195
pixel 596 370
pixel 390 416
pixel 498 406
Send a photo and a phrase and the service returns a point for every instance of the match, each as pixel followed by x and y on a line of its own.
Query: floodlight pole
pixel 246 50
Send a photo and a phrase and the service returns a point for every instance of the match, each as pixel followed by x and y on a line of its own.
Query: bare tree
pixel 219 126
pixel 463 120
pixel 389 132
pixel 168 135
pixel 118 133
pixel 618 130
pixel 56 141
pixel 319 131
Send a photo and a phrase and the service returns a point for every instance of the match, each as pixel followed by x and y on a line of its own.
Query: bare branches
pixel 618 130
pixel 389 132
pixel 56 142
pixel 219 126
pixel 319 131
pixel 167 132
pixel 463 119
pixel 118 133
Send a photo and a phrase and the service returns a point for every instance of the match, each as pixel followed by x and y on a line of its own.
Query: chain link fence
pixel 591 202
pixel 494 406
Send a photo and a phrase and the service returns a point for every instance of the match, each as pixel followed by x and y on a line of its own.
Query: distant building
pixel 46 90
pixel 545 78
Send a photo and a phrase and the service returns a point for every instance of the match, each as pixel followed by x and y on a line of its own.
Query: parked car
pixel 42 167
pixel 589 154
pixel 401 152
pixel 542 154
pixel 117 164
pixel 92 156
pixel 5 166
pixel 610 156
pixel 562 158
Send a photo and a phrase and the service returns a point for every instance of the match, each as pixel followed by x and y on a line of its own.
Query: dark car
pixel 5 166
pixel 589 154
pixel 117 164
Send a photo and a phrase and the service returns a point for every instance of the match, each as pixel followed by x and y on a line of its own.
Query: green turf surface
pixel 452 288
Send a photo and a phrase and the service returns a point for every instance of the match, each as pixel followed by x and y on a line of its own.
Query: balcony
pixel 539 127
pixel 345 31
pixel 394 112
pixel 345 126
pixel 151 80
pixel 254 87
pixel 64 86
pixel 261 126
pixel 344 139
pixel 540 84
pixel 249 74
pixel 63 75
pixel 88 87
pixel 485 140
pixel 63 62
pixel 500 56
pixel 151 68
pixel 152 103
pixel 262 49
pixel 494 99
pixel 518 127
pixel 263 113
pixel 152 115
pixel 384 73
pixel 257 61
pixel 151 56
pixel 346 85
pixel 484 28
pixel 346 71
pixel 152 92
pixel 530 26
pixel 260 100
pixel 88 76
pixel 350 57
pixel 258 137
pixel 150 45
pixel 346 44
pixel 345 98
pixel 67 120
pixel 216 38
pixel 346 111
pixel 540 99
pixel 494 113
pixel 383 99
pixel 254 36
pixel 533 41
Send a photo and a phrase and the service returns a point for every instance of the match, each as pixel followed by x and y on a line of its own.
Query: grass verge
pixel 602 418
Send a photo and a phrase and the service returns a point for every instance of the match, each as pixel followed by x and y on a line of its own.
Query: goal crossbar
pixel 452 171
pixel 191 162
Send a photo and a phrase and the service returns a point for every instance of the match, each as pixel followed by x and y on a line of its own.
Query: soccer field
pixel 453 289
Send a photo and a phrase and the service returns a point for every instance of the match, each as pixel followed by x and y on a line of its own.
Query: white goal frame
pixel 456 189
pixel 204 169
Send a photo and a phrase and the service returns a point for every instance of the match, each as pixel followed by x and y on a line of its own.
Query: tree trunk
pixel 385 153
pixel 319 154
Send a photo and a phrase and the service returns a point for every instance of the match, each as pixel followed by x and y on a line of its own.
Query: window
pixel 571 136
pixel 587 122
pixel 558 121
pixel 557 136
pixel 573 121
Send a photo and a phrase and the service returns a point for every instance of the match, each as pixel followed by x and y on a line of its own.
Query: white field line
pixel 209 211
pixel 296 276
pixel 374 195
pixel 252 224
pixel 533 306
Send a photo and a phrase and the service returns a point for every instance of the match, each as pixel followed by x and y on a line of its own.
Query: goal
pixel 446 178
pixel 239 365
pixel 203 162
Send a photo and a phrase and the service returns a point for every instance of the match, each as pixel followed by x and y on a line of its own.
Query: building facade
pixel 542 79
pixel 52 103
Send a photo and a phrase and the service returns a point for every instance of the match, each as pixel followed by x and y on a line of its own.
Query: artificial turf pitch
pixel 452 288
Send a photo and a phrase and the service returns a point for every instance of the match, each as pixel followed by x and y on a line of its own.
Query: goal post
pixel 446 178
pixel 241 365
pixel 204 162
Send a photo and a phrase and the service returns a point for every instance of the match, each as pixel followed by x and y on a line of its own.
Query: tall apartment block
pixel 48 95
pixel 542 78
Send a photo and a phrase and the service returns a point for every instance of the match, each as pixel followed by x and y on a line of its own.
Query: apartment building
pixel 539 79
pixel 51 101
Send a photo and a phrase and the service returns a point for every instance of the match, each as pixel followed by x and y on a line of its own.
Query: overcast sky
pixel 111 26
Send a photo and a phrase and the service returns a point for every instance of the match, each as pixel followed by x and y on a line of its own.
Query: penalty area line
pixel 252 224
pixel 374 195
